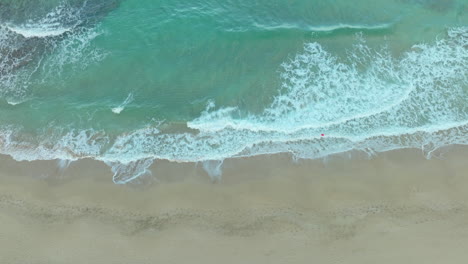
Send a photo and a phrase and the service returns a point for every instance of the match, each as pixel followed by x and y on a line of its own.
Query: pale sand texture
pixel 396 208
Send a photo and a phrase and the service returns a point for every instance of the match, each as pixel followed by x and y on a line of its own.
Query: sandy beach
pixel 397 207
pixel 207 132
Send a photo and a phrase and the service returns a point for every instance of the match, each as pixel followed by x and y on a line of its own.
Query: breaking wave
pixel 58 21
pixel 370 101
pixel 44 43
pixel 40 31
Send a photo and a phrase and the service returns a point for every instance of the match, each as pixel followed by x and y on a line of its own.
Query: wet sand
pixel 397 207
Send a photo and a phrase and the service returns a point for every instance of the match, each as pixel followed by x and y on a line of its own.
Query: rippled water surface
pixel 129 82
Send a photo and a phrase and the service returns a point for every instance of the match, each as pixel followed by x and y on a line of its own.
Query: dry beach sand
pixel 397 207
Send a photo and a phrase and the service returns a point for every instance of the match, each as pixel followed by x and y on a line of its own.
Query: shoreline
pixel 53 170
pixel 391 208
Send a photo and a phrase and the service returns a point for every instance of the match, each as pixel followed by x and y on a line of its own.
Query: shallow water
pixel 133 81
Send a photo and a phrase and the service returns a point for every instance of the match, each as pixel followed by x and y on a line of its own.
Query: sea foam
pixel 324 28
pixel 121 107
pixel 25 48
pixel 37 31
pixel 370 101
pixel 58 21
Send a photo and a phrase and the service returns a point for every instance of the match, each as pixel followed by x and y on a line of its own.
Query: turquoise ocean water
pixel 130 82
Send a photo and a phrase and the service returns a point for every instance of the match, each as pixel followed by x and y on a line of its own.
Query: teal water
pixel 130 82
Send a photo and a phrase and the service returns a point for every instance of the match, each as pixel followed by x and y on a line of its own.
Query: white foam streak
pixel 125 173
pixel 57 22
pixel 213 168
pixel 26 47
pixel 121 107
pixel 369 101
pixel 63 164
pixel 38 31
pixel 323 28
pixel 13 103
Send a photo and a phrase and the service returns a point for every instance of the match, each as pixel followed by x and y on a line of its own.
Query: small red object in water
pixel 323 135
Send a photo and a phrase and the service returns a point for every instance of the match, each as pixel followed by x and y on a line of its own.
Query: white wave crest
pixel 58 21
pixel 25 49
pixel 370 101
pixel 121 107
pixel 37 31
pixel 324 28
